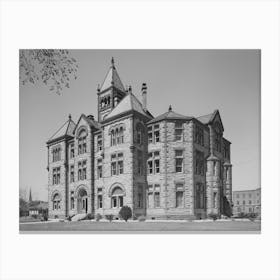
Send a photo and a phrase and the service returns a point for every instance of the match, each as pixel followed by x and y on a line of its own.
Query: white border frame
pixel 155 24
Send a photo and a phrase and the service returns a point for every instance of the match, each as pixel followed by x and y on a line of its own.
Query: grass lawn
pixel 155 226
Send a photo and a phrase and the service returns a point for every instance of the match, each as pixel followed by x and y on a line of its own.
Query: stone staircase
pixel 78 217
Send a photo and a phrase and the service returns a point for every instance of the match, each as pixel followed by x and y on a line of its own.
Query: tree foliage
pixel 125 213
pixel 55 68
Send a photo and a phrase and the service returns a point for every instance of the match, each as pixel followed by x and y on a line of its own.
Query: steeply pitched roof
pixel 170 115
pixel 128 103
pixel 112 79
pixel 65 130
pixel 207 119
pixel 90 120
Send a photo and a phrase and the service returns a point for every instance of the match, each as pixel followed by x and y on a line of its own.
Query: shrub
pixel 241 215
pixel 251 216
pixel 109 217
pixel 142 218
pixel 98 217
pixel 125 213
pixel 89 216
pixel 213 216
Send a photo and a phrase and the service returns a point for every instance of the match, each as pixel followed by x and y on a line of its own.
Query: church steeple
pixel 30 195
pixel 111 91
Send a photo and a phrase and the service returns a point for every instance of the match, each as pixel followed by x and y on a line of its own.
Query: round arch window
pixel 117 198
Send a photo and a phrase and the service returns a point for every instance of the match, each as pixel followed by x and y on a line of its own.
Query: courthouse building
pixel 171 166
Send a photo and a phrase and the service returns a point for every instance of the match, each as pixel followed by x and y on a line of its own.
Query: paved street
pixel 160 226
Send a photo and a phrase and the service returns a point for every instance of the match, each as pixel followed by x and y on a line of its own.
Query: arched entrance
pixel 82 201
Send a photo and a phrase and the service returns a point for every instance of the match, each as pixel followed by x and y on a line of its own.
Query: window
pixel 117 164
pixel 72 150
pixel 237 202
pixel 82 170
pixel 99 198
pixel 199 163
pixel 56 152
pixel 82 145
pixel 154 163
pixel 56 202
pixel 99 168
pixel 56 176
pixel 153 198
pixel 199 136
pixel 139 162
pixel 179 195
pixel 226 151
pixel 72 178
pixel 244 202
pixel 72 203
pixel 250 209
pixel 117 135
pixel 238 209
pixel 117 198
pixel 153 134
pixel 217 143
pixel 179 131
pixel 250 202
pixel 178 160
pixel 214 199
pixel 99 143
pixel 200 196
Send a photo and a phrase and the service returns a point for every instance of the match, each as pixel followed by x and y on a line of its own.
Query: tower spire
pixel 113 62
pixel 30 195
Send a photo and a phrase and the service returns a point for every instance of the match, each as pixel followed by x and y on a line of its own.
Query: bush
pixel 44 217
pixel 125 213
pixel 142 218
pixel 213 216
pixel 109 217
pixel 98 217
pixel 242 215
pixel 251 216
pixel 89 216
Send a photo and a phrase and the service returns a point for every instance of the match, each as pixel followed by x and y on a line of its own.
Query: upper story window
pixel 117 164
pixel 154 163
pixel 139 134
pixel 199 163
pixel 72 178
pixel 218 137
pixel 199 136
pixel 117 135
pixel 82 170
pixel 179 160
pixel 56 152
pixel 82 144
pixel 105 101
pixel 72 150
pixel 179 128
pixel 153 133
pixel 56 176
pixel 99 168
pixel 99 143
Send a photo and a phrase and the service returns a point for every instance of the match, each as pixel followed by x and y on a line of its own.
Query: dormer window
pixel 82 144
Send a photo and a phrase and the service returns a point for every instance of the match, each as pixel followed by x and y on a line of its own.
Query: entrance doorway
pixel 82 203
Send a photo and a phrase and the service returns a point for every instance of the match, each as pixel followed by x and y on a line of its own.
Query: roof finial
pixel 170 108
pixel 70 117
pixel 98 87
pixel 113 62
pixel 129 89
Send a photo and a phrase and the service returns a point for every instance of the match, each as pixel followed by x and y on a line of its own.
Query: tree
pixel 23 207
pixel 125 213
pixel 54 68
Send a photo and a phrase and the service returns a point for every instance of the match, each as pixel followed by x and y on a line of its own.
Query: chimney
pixel 144 96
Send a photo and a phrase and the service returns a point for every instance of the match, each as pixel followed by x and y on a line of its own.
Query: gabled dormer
pixel 110 93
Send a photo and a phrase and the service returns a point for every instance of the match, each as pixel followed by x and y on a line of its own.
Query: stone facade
pixel 169 167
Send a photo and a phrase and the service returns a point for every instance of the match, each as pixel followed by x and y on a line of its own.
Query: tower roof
pixel 170 115
pixel 112 79
pixel 65 130
pixel 129 103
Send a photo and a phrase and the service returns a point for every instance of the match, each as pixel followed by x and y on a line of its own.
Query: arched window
pixel 117 198
pixel 56 151
pixel 56 202
pixel 82 144
pixel 117 135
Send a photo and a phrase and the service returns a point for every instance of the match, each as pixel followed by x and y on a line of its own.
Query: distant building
pixel 247 201
pixel 169 166
pixel 37 207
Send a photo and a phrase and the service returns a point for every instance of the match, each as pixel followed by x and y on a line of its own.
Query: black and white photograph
pixel 140 140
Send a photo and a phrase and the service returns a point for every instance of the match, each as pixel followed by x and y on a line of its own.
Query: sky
pixel 194 82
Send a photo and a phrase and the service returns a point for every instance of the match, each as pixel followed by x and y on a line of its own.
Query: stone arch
pixel 54 194
pixel 79 189
pixel 114 186
pixel 82 129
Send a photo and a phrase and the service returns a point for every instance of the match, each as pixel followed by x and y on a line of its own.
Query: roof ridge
pixel 58 130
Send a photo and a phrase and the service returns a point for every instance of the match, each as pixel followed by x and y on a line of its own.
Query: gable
pixel 217 121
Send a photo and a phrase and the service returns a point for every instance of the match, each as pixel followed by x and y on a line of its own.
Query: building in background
pixel 170 166
pixel 247 201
